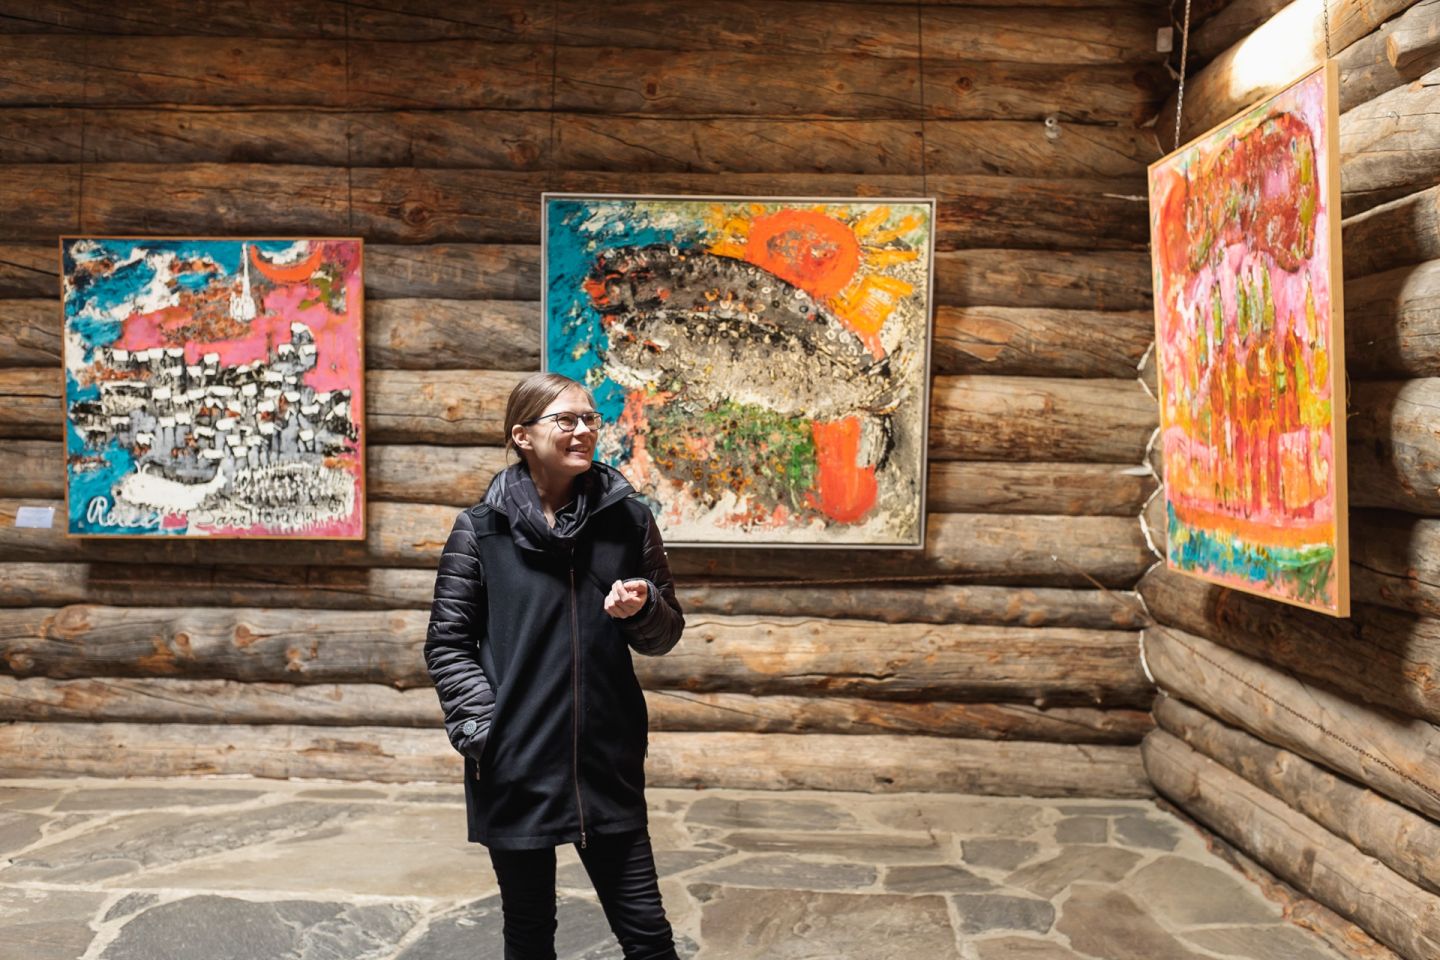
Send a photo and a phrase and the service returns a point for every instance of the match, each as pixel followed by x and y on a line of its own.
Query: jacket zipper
pixel 575 711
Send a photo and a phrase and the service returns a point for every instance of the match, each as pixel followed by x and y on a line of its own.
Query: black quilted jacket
pixel 535 679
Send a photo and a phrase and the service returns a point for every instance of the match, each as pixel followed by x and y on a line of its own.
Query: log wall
pixel 1313 744
pixel 432 132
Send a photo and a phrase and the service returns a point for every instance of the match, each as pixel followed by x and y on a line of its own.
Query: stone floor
pixel 226 869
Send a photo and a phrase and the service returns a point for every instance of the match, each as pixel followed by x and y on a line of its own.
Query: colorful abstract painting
pixel 761 363
pixel 213 387
pixel 1245 229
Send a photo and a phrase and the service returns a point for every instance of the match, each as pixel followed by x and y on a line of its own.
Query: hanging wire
pixel 1184 55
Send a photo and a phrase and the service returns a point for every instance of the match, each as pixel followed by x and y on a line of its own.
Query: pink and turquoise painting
pixel 761 362
pixel 213 388
pixel 1245 225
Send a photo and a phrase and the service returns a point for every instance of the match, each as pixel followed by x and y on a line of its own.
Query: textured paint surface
pixel 761 364
pixel 213 387
pixel 1242 262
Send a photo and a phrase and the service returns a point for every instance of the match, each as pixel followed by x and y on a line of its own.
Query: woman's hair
pixel 530 398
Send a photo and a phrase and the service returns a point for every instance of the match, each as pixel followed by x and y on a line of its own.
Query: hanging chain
pixel 1325 17
pixel 1184 55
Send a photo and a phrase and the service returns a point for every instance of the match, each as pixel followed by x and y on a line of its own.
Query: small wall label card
pixel 213 387
pixel 1245 231
pixel 761 362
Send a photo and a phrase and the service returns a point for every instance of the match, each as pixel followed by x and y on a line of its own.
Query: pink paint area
pixel 194 324
pixel 347 528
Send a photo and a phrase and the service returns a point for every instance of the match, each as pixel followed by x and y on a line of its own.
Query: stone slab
pixel 1023 948
pixel 1002 854
pixel 28 798
pixel 1073 864
pixel 1186 893
pixel 1082 830
pixel 779 870
pixel 137 842
pixel 1146 832
pixel 389 850
pixel 962 816
pixel 980 913
pixel 1262 943
pixel 855 847
pixel 224 928
pixel 19 830
pixel 1104 922
pixel 768 813
pixel 804 925
pixel 46 924
pixel 935 878
pixel 151 798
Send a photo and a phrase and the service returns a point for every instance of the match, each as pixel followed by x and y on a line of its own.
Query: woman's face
pixel 551 450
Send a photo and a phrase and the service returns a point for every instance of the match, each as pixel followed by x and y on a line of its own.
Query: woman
pixel 543 590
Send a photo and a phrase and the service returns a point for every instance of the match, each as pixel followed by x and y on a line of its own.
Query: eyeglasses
pixel 568 421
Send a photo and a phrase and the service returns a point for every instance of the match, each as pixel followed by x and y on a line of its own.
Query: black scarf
pixel 513 493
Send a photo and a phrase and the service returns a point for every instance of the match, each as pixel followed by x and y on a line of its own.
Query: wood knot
pixel 652 89
pixel 964 84
pixel 415 214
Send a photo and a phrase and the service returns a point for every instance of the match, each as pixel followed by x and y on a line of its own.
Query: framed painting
pixel 1245 241
pixel 213 387
pixel 762 363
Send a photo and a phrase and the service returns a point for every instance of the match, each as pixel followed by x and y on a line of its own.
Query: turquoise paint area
pixel 1299 572
pixel 91 482
pixel 574 333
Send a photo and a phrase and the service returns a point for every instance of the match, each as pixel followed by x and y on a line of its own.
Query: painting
pixel 213 388
pixel 1245 231
pixel 762 363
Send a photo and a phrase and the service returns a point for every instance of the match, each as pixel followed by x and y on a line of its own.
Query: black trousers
pixel 622 869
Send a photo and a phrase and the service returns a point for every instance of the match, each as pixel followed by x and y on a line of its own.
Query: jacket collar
pixel 512 492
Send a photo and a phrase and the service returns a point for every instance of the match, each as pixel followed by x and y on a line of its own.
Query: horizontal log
pixel 1394 234
pixel 410 205
pixel 885 764
pixel 541 140
pixel 1078 280
pixel 1389 146
pixel 29 270
pixel 1075 280
pixel 406 334
pixel 1417 38
pixel 1123 35
pixel 878 764
pixel 1366 71
pixel 1032 418
pixel 1401 756
pixel 1048 666
pixel 1232 23
pixel 960 90
pixel 29 333
pixel 460 476
pixel 330 588
pixel 1296 848
pixel 202 584
pixel 1403 840
pixel 30 402
pixel 1076 489
pixel 1287 45
pixel 510 20
pixel 1393 445
pixel 33 468
pixel 838 657
pixel 1040 342
pixel 972 417
pixel 1009 549
pixel 1395 561
pixel 1392 323
pixel 1378 655
pixel 158 700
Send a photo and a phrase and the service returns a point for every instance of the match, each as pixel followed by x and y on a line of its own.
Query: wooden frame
pixel 347 414
pixel 1263 433
pixel 727 418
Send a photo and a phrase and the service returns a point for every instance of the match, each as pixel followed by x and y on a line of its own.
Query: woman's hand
pixel 626 598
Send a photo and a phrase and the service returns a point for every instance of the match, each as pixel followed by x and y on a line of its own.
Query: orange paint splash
pixel 293 273
pixel 807 248
pixel 847 490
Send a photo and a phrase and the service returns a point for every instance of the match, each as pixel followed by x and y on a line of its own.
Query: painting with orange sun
pixel 762 363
